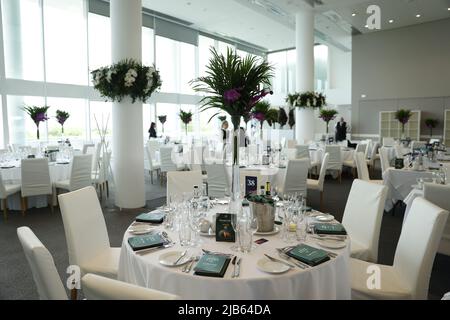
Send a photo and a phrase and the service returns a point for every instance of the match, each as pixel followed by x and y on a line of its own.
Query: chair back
pixel 45 275
pixel 167 163
pixel 417 246
pixel 296 177
pixel 384 159
pixel 179 182
pixel 335 160
pixel 439 195
pixel 323 170
pixel 81 174
pixel 35 177
pixel 84 225
pixel 361 147
pixel 374 150
pixel 153 146
pixel 302 151
pixel 363 213
pixel 88 148
pixel 218 181
pixel 361 166
pixel 101 288
pixel 148 153
pixel 388 142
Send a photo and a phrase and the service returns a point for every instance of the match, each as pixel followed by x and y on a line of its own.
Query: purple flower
pixel 255 99
pixel 231 95
pixel 259 116
pixel 61 120
pixel 40 117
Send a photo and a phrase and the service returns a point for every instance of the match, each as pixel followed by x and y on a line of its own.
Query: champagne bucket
pixel 265 216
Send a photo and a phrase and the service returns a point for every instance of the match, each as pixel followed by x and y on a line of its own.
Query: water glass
pixel 184 233
pixel 245 239
pixel 302 228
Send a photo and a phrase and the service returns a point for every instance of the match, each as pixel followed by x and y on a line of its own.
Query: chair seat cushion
pixel 313 184
pixel 359 251
pixel 391 285
pixel 106 264
pixel 63 184
pixel 11 189
pixel 377 181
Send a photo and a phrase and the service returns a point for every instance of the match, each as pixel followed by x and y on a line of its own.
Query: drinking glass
pixel 235 224
pixel 184 232
pixel 195 219
pixel 245 237
pixel 301 228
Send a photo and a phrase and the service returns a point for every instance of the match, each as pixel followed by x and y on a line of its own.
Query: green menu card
pixel 308 255
pixel 224 228
pixel 330 228
pixel 151 217
pixel 147 241
pixel 212 265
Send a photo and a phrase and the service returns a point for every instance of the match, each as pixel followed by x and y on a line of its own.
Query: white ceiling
pixel 270 23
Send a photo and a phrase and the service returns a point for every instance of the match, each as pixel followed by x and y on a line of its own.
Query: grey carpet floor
pixel 16 281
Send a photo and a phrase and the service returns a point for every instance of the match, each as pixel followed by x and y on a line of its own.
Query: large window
pixel 65 41
pixel 22 34
pixel 99 41
pixel 101 119
pixel 204 53
pixel 148 52
pixel 75 126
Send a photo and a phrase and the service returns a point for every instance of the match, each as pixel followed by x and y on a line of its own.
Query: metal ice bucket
pixel 265 216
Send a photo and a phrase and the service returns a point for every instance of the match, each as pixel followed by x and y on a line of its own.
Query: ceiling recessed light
pixel 391 21
pixel 354 14
pixel 418 15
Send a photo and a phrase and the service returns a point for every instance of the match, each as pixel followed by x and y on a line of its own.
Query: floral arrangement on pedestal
pixel 431 124
pixel 403 116
pixel 61 117
pixel 126 78
pixel 234 85
pixel 327 115
pixel 307 99
pixel 291 120
pixel 162 120
pixel 38 115
pixel 186 118
pixel 282 117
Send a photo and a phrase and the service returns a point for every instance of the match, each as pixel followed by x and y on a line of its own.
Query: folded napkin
pixel 146 241
pixel 329 228
pixel 309 255
pixel 151 217
pixel 212 265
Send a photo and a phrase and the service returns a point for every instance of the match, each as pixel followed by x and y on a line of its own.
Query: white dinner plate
pixel 140 229
pixel 275 230
pixel 270 266
pixel 331 244
pixel 168 259
pixel 325 218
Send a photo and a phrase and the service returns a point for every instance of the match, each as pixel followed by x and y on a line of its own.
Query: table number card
pixel 251 185
pixel 224 228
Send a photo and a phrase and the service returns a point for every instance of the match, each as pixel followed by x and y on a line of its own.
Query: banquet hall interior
pixel 224 150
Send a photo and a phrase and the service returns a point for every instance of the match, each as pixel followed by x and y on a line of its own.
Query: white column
pixel 128 139
pixel 304 39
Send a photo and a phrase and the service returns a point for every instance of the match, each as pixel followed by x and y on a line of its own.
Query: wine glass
pixel 194 221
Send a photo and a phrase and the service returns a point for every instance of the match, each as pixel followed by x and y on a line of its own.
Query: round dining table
pixel 329 280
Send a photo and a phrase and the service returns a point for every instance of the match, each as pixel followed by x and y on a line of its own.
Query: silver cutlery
pixel 192 264
pixel 237 272
pixel 280 261
pixel 234 264
pixel 329 238
pixel 299 264
pixel 217 253
pixel 180 257
pixel 191 260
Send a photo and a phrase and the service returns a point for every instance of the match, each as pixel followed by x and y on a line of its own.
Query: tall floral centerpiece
pixel 38 115
pixel 162 120
pixel 403 116
pixel 327 115
pixel 431 124
pixel 291 120
pixel 186 118
pixel 259 114
pixel 234 85
pixel 282 117
pixel 61 117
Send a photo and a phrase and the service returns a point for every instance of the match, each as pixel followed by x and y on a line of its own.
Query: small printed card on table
pixel 224 228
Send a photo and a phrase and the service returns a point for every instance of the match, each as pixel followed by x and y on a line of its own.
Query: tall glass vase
pixel 235 173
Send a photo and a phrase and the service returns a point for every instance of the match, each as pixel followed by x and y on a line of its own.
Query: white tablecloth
pixel 317 155
pixel 57 172
pixel 399 183
pixel 329 280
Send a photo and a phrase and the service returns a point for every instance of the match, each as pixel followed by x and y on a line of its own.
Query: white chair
pixel 361 147
pixel 100 288
pixel 88 148
pixel 80 174
pixel 45 275
pixel 7 190
pixel 302 151
pixel 318 184
pixel 388 142
pixel 439 195
pixel 384 159
pixel 363 171
pixel 335 160
pixel 291 144
pixel 373 156
pixel 217 180
pixel 409 276
pixel 86 234
pixel 153 165
pixel 167 164
pixel 35 181
pixel 362 218
pixel 296 177
pixel 179 182
pixel 291 153
pixel 101 178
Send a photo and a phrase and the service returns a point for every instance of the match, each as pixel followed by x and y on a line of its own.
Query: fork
pixel 299 264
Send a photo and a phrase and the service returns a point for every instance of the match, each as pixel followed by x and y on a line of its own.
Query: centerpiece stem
pixel 235 174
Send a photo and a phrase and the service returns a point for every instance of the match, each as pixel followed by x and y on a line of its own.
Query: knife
pixel 237 270
pixel 234 263
pixel 280 261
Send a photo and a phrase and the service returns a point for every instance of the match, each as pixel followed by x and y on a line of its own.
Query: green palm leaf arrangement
pixel 431 124
pixel 282 117
pixel 327 115
pixel 272 117
pixel 61 117
pixel 186 118
pixel 38 115
pixel 291 121
pixel 259 111
pixel 162 120
pixel 403 116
